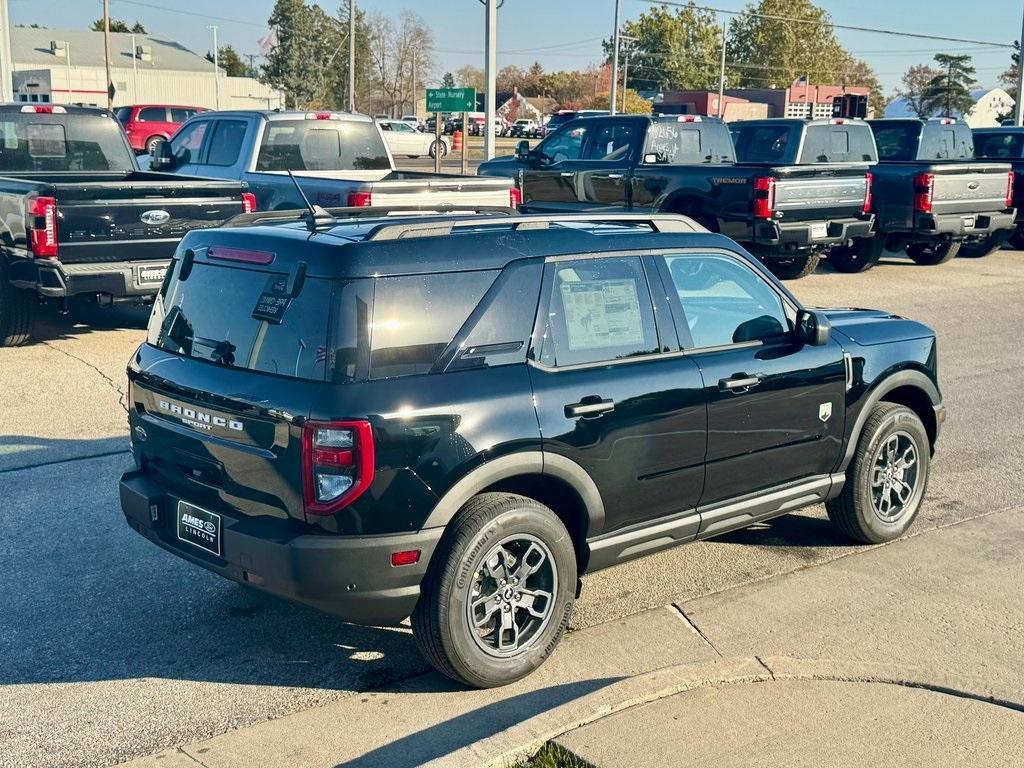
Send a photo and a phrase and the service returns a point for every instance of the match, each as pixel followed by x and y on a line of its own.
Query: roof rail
pixel 367 212
pixel 436 227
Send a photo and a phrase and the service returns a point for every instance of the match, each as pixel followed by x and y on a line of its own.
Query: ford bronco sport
pixel 455 418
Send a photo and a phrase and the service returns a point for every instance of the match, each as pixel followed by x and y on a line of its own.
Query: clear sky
pixel 566 34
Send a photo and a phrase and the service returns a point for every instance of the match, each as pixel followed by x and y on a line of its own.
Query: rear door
pixel 610 152
pixel 775 406
pixel 609 397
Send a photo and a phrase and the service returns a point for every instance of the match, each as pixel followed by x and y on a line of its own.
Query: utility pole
pixel 1018 112
pixel 135 71
pixel 625 67
pixel 414 84
pixel 252 64
pixel 721 77
pixel 490 74
pixel 615 57
pixel 6 77
pixel 352 56
pixel 106 53
pixel 216 68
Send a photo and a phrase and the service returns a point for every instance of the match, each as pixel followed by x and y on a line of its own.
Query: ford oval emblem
pixel 155 217
pixel 972 185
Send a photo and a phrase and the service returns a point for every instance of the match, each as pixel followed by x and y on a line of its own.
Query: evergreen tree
pixel 949 92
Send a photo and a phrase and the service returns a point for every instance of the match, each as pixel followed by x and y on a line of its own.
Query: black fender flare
pixel 522 463
pixel 902 378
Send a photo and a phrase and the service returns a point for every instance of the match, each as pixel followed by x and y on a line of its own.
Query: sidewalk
pixel 902 654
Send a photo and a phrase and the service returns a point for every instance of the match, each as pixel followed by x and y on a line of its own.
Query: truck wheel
pixel 930 254
pixel 859 257
pixel 1017 239
pixel 434 149
pixel 977 249
pixel 886 480
pixel 793 267
pixel 17 309
pixel 497 595
pixel 150 144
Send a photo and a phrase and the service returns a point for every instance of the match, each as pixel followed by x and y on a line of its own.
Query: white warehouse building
pixel 66 66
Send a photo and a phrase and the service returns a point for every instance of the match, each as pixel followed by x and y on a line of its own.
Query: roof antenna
pixel 315 215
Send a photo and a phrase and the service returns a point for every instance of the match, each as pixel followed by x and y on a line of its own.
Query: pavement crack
pixel 768 669
pixel 122 396
pixel 695 629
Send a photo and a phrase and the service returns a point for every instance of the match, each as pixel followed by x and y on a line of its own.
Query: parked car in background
pixel 339 160
pixel 145 124
pixel 413 121
pixel 1006 145
pixel 79 220
pixel 931 196
pixel 786 209
pixel 563 116
pixel 404 139
pixel 524 128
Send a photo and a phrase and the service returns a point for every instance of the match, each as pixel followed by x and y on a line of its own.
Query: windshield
pixel 321 145
pixel 999 146
pixel 69 142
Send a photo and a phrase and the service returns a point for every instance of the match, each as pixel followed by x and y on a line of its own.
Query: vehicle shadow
pixel 791 531
pixel 18 452
pixel 84 319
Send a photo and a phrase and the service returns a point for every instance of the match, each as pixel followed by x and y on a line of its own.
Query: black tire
pixel 855 512
pixel 462 563
pixel 793 267
pixel 17 311
pixel 433 148
pixel 930 254
pixel 151 144
pixel 977 249
pixel 1017 239
pixel 859 257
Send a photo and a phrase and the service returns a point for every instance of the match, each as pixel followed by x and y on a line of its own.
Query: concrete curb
pixel 522 740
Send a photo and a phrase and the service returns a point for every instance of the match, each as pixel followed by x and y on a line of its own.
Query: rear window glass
pixel 38 142
pixel 849 143
pixel 999 146
pixel 678 143
pixel 762 143
pixel 415 317
pixel 220 314
pixel 321 145
pixel 897 141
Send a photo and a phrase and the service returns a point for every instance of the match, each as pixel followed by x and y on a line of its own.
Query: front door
pixel 549 179
pixel 775 405
pixel 609 154
pixel 610 397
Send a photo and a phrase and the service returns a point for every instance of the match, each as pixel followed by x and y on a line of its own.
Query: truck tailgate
pixel 834 196
pixel 969 188
pixel 411 188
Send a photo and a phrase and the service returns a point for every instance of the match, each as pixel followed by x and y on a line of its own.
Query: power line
pixel 191 13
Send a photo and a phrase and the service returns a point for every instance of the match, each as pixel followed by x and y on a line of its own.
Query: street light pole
pixel 721 77
pixel 135 71
pixel 352 56
pixel 615 58
pixel 106 52
pixel 216 68
pixel 6 82
pixel 490 72
pixel 1018 109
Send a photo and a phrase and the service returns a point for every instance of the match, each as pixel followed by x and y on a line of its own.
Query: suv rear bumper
pixel 799 234
pixel 117 279
pixel 956 225
pixel 348 576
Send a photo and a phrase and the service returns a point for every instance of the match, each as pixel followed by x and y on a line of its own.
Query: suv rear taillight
pixel 41 221
pixel 248 202
pixel 1009 189
pixel 515 197
pixel 764 197
pixel 868 180
pixel 337 464
pixel 360 199
pixel 924 189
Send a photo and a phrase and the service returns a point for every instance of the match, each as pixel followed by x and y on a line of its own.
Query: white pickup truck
pixel 339 160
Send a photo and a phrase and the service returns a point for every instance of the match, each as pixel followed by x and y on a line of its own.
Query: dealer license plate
pixel 198 527
pixel 819 231
pixel 152 275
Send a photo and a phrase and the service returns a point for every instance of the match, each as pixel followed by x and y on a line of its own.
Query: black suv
pixel 456 417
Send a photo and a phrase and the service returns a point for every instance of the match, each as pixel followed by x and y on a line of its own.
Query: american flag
pixel 268 43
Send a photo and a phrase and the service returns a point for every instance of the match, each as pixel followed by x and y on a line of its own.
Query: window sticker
pixel 601 313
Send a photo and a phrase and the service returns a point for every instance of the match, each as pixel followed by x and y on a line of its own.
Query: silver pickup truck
pixel 339 160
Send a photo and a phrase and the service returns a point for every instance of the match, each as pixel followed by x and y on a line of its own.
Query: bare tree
pixel 915 88
pixel 396 53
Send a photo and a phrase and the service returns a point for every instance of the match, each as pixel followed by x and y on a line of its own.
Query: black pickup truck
pixel 931 196
pixel 1006 145
pixel 782 204
pixel 79 219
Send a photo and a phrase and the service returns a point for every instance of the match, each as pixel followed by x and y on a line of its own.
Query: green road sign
pixel 451 99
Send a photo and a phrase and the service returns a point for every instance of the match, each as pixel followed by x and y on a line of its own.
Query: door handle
pixel 567 173
pixel 614 176
pixel 589 406
pixel 738 383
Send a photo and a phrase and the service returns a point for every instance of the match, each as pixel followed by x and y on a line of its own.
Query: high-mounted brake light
pixel 868 180
pixel 764 197
pixel 1009 189
pixel 924 189
pixel 838 121
pixel 946 121
pixel 360 199
pixel 240 254
pixel 44 110
pixel 41 224
pixel 688 119
pixel 515 197
pixel 321 116
pixel 248 202
pixel 337 464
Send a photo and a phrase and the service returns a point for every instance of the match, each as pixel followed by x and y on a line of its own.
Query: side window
pixel 724 301
pixel 188 141
pixel 598 310
pixel 611 141
pixel 152 115
pixel 567 144
pixel 179 115
pixel 415 317
pixel 226 142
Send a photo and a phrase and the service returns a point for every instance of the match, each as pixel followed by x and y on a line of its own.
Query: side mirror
pixel 813 328
pixel 162 159
pixel 523 151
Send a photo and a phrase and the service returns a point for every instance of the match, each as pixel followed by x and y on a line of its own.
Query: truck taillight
pixel 515 197
pixel 360 199
pixel 924 189
pixel 1009 189
pixel 337 464
pixel 41 223
pixel 868 180
pixel 248 202
pixel 764 197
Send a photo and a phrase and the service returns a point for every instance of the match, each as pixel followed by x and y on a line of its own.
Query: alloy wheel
pixel 894 476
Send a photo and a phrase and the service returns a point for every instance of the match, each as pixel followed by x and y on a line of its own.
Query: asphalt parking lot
pixel 112 648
